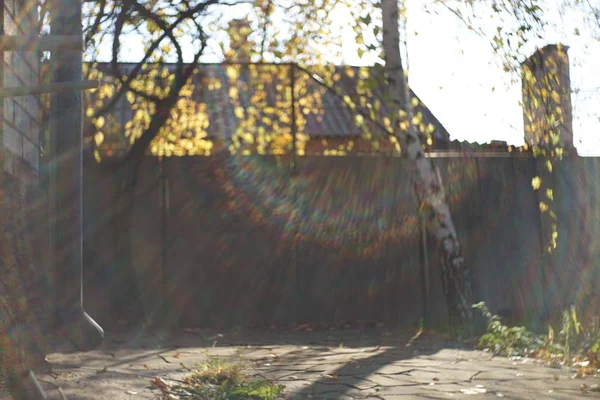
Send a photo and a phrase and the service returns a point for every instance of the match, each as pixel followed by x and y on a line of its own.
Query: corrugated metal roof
pixel 332 119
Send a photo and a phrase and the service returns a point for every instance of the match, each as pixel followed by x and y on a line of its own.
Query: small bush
pixel 577 343
pixel 504 340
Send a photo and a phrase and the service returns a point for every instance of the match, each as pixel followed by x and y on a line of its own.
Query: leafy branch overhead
pixel 156 95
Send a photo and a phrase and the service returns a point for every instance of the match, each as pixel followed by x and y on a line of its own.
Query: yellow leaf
pixel 99 123
pixel 363 72
pixel 359 120
pixel 239 112
pixel 536 183
pixel 99 138
pixel 232 73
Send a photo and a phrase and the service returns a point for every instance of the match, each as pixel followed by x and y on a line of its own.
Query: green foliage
pixel 571 330
pixel 216 380
pixel 504 340
pixel 577 343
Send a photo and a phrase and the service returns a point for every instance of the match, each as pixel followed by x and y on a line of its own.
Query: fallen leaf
pixel 475 390
pixel 555 377
pixel 159 383
pixel 131 392
pixel 177 355
pixel 436 379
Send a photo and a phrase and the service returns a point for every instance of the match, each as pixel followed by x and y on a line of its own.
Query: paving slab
pixel 370 365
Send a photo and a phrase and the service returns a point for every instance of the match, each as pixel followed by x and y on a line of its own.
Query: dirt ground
pixel 347 364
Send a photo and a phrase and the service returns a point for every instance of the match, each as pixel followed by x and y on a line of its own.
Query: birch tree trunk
pixel 456 276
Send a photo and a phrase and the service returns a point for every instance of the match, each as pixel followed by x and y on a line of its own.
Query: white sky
pixel 453 71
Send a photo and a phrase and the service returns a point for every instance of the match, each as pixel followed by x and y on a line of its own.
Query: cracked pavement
pixel 375 364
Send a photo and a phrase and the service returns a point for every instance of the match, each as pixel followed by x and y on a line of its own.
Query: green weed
pixel 576 344
pixel 504 340
pixel 219 380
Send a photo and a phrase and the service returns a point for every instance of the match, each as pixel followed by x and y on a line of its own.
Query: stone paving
pixel 373 364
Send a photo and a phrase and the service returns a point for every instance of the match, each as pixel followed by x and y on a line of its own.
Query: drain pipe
pixel 66 183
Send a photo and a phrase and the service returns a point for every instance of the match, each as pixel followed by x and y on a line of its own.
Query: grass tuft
pixel 220 380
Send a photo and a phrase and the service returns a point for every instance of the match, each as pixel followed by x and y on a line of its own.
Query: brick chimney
pixel 240 46
pixel 546 89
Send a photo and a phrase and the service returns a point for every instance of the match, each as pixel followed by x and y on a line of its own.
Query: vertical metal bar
pixel 163 312
pixel 294 129
pixel 163 222
pixel 67 168
pixel 424 271
pixel 294 126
